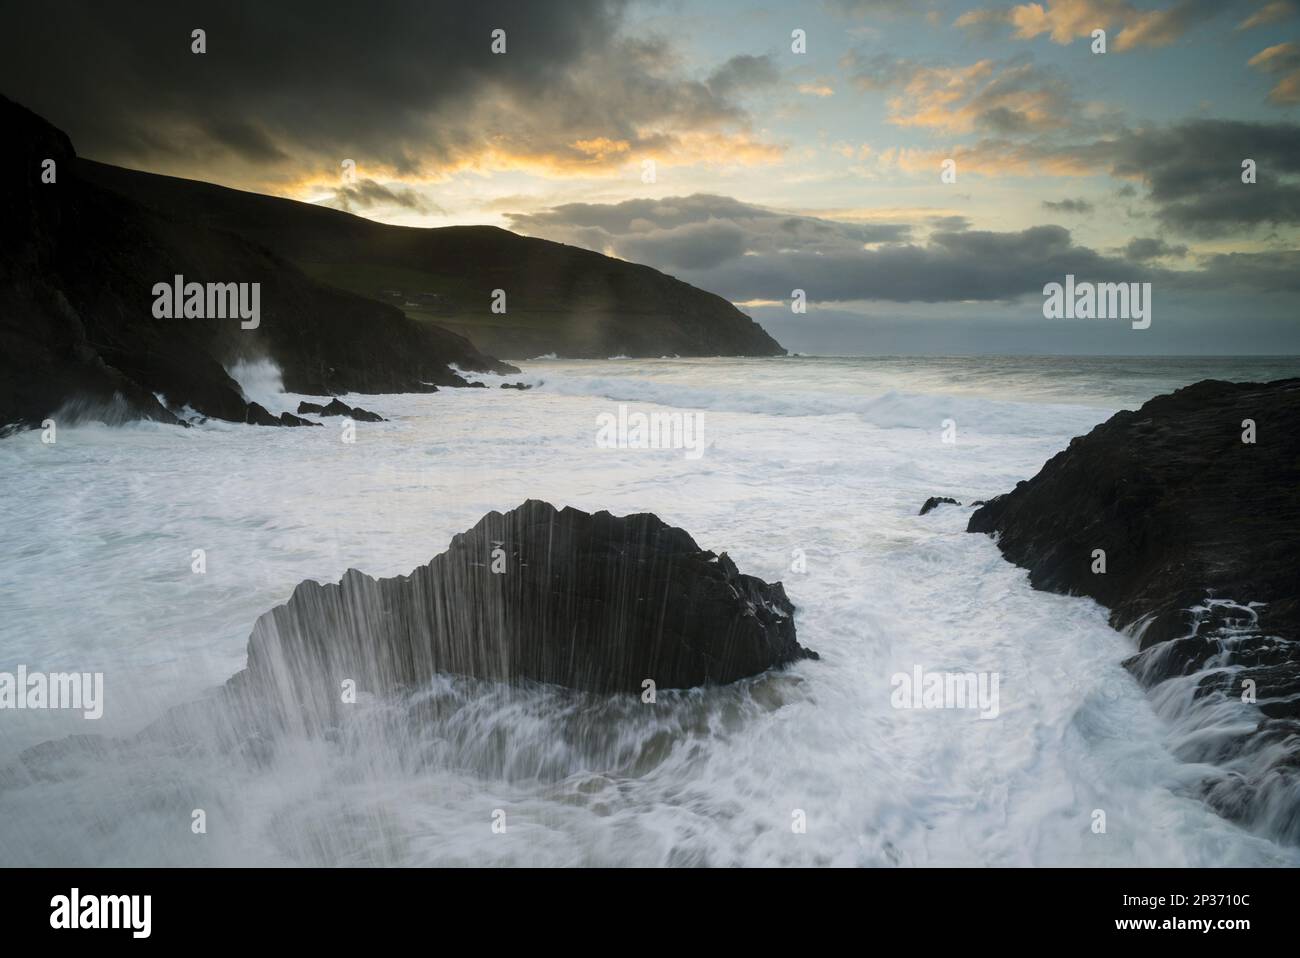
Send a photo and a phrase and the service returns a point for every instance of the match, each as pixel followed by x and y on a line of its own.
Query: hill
pixel 79 264
pixel 559 299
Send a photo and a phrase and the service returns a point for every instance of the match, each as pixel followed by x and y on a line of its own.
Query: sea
pixel 145 552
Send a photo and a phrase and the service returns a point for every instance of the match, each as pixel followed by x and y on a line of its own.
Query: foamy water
pixel 832 458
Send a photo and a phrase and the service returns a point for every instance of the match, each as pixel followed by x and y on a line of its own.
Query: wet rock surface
pixel 336 407
pixel 1200 531
pixel 258 415
pixel 587 601
pixel 935 502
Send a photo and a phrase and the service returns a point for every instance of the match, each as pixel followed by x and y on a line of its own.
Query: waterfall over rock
pixel 588 601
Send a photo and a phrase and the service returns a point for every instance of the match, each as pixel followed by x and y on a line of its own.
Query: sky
pixel 754 149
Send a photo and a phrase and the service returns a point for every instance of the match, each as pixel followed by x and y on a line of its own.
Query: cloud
pixel 949 223
pixel 368 195
pixel 1064 21
pixel 1283 60
pixel 754 255
pixel 750 253
pixel 1191 170
pixel 698 232
pixel 1269 13
pixel 1193 173
pixel 862 8
pixel 410 89
pixel 1271 272
pixel 1068 206
pixel 743 73
pixel 1147 248
pixel 1002 97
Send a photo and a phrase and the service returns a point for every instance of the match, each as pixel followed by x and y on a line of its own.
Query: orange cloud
pixel 1282 59
pixel 1067 20
pixel 1018 98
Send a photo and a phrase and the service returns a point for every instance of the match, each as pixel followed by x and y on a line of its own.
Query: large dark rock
pixel 1183 508
pixel 78 263
pixel 591 602
pixel 1201 534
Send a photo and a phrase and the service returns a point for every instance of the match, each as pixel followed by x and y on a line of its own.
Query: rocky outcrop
pixel 935 502
pixel 588 601
pixel 257 415
pixel 78 334
pixel 336 407
pixel 1182 507
pixel 1183 519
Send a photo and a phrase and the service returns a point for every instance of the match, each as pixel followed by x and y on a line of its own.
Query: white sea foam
pixel 261 382
pixel 99 571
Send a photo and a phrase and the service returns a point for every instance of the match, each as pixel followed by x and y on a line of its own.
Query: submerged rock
pixel 1183 519
pixel 258 415
pixel 516 386
pixel 592 602
pixel 336 407
pixel 935 502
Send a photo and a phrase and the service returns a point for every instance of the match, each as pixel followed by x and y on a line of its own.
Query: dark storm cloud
pixel 1149 247
pixel 694 246
pixel 402 84
pixel 1068 206
pixel 697 233
pixel 747 253
pixel 1193 173
pixel 1269 272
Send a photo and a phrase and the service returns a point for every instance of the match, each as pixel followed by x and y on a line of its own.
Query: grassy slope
pixel 560 298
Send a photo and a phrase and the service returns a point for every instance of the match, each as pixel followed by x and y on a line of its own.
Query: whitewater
pixel 813 472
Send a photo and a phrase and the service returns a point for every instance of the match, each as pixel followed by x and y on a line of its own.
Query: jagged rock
pixel 1182 507
pixel 336 407
pixel 289 419
pixel 935 501
pixel 257 415
pixel 592 602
